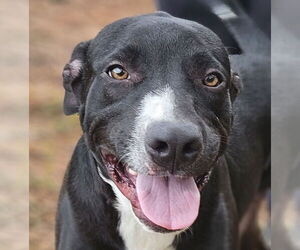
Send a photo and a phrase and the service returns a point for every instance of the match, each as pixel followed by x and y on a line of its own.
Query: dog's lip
pixel 119 171
pixel 125 179
pixel 109 156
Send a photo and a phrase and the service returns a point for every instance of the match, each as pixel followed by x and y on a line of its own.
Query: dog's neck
pixel 134 234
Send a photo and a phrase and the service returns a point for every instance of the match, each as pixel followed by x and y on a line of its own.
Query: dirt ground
pixel 56 26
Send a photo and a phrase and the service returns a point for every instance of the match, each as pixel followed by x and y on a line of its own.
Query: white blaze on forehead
pixel 157 106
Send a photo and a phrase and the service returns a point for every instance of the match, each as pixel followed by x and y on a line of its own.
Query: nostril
pixel 172 145
pixel 160 146
pixel 192 148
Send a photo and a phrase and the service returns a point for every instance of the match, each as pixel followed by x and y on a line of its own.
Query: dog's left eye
pixel 118 72
pixel 213 80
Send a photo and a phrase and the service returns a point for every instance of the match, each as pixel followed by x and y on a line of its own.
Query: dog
pixel 176 136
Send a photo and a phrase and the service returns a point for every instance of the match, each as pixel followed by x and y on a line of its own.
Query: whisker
pixel 122 158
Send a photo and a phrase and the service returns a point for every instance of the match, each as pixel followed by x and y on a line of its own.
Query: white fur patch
pixel 156 106
pixel 75 67
pixel 137 236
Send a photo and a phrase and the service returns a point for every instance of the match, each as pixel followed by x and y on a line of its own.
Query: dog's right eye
pixel 212 80
pixel 118 72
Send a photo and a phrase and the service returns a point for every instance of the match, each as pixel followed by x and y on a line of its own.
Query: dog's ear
pixel 233 50
pixel 73 78
pixel 235 86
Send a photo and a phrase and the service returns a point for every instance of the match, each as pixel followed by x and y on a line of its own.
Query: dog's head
pixel 154 94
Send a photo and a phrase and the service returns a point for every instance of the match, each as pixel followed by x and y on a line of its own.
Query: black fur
pixel 86 217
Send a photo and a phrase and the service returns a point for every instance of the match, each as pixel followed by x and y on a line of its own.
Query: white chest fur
pixel 134 234
pixel 136 237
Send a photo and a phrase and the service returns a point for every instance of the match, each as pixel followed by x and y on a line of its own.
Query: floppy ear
pixel 233 50
pixel 73 78
pixel 235 86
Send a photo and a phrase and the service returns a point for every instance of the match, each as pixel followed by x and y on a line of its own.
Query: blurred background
pixel 56 26
pixel 14 125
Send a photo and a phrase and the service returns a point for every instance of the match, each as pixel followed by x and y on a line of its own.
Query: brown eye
pixel 118 72
pixel 212 80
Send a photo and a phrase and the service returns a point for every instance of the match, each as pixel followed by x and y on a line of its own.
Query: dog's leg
pixel 250 233
pixel 67 237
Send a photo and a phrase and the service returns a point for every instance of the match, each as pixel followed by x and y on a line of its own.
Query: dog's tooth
pixel 130 171
pixel 151 172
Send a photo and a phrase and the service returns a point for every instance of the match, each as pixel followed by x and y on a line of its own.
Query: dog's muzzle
pixel 172 145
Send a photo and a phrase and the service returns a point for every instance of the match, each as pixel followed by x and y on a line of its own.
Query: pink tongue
pixel 169 202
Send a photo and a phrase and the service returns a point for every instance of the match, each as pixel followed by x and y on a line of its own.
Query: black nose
pixel 173 144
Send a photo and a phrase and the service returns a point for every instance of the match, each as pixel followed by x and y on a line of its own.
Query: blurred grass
pixel 55 28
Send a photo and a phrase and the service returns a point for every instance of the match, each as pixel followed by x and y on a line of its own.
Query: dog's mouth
pixel 163 203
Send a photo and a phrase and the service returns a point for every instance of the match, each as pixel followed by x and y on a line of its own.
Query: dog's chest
pixel 136 238
pixel 133 233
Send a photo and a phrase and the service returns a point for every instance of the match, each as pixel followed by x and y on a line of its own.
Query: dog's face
pixel 154 95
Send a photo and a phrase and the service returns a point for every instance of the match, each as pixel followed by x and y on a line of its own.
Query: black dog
pixel 164 134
